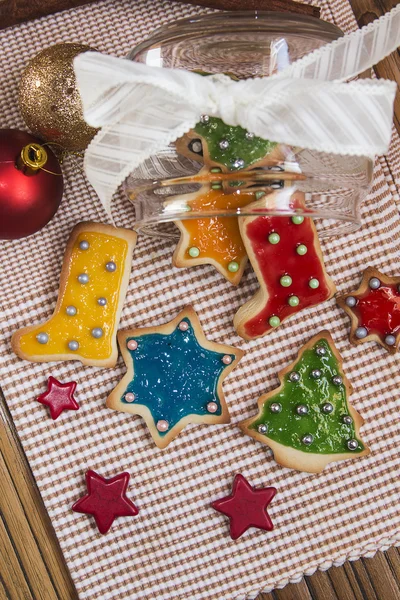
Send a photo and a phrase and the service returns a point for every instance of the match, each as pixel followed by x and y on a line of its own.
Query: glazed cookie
pixel 286 257
pixel 93 284
pixel 307 421
pixel 174 376
pixel 374 310
pixel 222 149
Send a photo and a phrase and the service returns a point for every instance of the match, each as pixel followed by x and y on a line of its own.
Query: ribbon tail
pixel 339 118
pixel 352 54
pixel 139 116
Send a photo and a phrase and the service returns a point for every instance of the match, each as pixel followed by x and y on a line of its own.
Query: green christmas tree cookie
pixel 232 148
pixel 307 421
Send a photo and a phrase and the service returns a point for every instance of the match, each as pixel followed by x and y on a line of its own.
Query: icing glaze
pixel 218 239
pixel 283 272
pixel 106 499
pixel 249 149
pixel 379 310
pixel 84 321
pixel 288 426
pixel 174 375
pixel 246 507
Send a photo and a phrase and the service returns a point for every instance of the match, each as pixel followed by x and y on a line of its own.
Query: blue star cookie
pixel 174 376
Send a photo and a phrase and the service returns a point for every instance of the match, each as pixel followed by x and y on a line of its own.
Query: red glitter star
pixel 374 309
pixel 59 397
pixel 106 499
pixel 246 507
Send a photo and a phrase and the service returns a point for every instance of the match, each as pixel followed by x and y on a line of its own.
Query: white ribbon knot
pixel 142 109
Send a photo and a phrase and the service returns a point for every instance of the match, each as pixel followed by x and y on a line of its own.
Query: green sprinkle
pixel 216 186
pixel 274 321
pixel 313 283
pixel 259 195
pixel 274 238
pixel 301 249
pixel 297 219
pixel 215 170
pixel 233 267
pixel 194 252
pixel 293 301
pixel 286 281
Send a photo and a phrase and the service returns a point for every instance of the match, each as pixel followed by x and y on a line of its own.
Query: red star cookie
pixel 374 309
pixel 106 499
pixel 246 507
pixel 59 397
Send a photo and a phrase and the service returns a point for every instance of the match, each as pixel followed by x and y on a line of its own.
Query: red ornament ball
pixel 31 184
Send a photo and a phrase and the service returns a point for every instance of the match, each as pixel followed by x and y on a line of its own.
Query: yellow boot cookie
pixel 93 284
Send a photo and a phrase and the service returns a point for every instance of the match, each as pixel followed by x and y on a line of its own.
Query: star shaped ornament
pixel 246 507
pixel 59 397
pixel 174 376
pixel 106 499
pixel 374 310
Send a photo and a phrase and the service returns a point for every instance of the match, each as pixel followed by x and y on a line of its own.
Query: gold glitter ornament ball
pixel 49 98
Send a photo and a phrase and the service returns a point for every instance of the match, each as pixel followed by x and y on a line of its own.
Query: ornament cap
pixel 33 157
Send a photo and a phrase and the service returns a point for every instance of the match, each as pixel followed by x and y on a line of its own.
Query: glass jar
pixel 189 181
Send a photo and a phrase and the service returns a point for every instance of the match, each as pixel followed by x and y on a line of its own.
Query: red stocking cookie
pixel 286 257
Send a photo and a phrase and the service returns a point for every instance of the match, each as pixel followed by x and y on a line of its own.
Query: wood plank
pixel 33 518
pixel 363 579
pixel 294 591
pixel 321 586
pixel 3 592
pixel 22 539
pixel 342 585
pixel 13 576
pixel 393 558
pixel 382 577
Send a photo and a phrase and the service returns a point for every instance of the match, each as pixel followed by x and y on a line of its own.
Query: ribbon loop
pixel 142 109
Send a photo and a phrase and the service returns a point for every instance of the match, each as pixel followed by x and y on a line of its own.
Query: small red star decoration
pixel 59 397
pixel 106 499
pixel 246 507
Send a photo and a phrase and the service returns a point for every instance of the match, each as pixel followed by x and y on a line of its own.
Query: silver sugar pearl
pixel 350 301
pixel 302 409
pixel 316 373
pixel 111 266
pixel 238 163
pixel 352 444
pixel 84 245
pixel 71 311
pixel 204 119
pixel 374 283
pixel 361 332
pixel 42 338
pixel 224 144
pixel 97 332
pixel 249 135
pixel 294 377
pixel 390 340
pixel 347 420
pixel 262 429
pixel 101 301
pixel 337 380
pixel 197 146
pixel 83 278
pixel 276 407
pixel 320 351
pixel 307 439
pixel 73 345
pixel 327 408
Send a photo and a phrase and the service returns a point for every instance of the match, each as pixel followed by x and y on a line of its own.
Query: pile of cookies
pixel 174 374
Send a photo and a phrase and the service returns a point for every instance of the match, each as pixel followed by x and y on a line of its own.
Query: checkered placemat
pixel 178 547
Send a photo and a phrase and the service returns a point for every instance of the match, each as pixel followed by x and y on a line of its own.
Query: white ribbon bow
pixel 142 109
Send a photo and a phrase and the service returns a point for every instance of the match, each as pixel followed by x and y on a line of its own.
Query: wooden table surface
pixel 31 563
